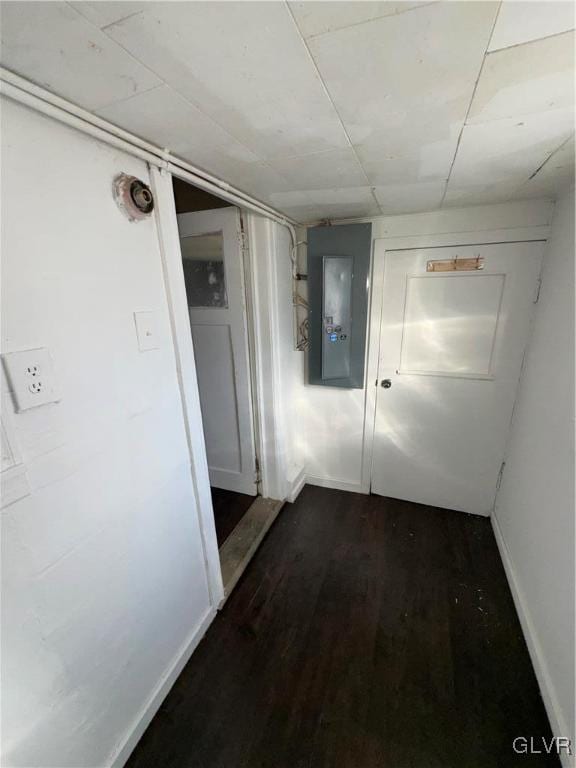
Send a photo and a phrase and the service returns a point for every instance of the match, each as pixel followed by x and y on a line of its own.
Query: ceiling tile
pixel 556 174
pixel 519 22
pixel 297 205
pixel 423 151
pixel 104 13
pixel 258 179
pixel 164 118
pixel 410 198
pixel 243 64
pixel 52 45
pixel 560 166
pixel 402 85
pixel 481 194
pixel 353 201
pixel 327 203
pixel 318 17
pixel 336 168
pixel 535 77
pixel 305 214
pixel 508 150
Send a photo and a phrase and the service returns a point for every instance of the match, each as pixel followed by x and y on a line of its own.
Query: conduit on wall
pixel 24 92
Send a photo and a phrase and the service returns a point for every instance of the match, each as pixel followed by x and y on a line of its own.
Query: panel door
pixel 213 271
pixel 451 350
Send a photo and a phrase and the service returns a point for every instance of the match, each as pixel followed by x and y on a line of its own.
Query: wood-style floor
pixel 229 508
pixel 366 633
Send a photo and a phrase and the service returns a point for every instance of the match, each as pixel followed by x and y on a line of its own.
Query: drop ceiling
pixel 324 109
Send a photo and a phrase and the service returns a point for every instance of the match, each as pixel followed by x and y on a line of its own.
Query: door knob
pixel 386 383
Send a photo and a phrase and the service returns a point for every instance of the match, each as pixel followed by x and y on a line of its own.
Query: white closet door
pixel 451 349
pixel 213 271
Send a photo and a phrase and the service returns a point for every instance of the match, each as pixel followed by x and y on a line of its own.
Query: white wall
pixel 103 575
pixel 291 360
pixel 331 435
pixel 534 516
pixel 279 365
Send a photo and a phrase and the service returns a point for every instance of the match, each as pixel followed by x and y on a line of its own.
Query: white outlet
pixel 31 377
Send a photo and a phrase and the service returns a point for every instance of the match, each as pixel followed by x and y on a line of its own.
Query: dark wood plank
pixel 366 633
pixel 229 508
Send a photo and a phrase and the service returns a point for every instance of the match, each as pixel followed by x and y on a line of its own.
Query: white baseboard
pixel 123 752
pixel 557 721
pixel 338 485
pixel 296 486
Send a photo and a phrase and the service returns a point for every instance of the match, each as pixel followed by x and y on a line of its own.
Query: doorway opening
pixel 215 262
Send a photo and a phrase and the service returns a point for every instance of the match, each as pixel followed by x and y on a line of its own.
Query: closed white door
pixel 213 270
pixel 451 350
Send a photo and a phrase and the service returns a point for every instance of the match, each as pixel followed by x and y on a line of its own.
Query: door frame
pixel 266 374
pixel 381 246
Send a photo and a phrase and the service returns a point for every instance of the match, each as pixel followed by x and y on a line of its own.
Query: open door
pixel 213 271
pixel 452 341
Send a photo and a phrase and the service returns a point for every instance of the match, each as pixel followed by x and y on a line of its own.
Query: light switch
pixel 31 377
pixel 147 330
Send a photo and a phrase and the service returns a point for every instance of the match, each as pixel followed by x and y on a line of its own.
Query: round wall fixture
pixel 133 196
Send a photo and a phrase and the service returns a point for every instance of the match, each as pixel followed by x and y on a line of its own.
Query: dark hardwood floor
pixel 366 633
pixel 229 509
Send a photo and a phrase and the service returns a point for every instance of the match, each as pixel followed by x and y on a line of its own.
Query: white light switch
pixel 147 330
pixel 31 377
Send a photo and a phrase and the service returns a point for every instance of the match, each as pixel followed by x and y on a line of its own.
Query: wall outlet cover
pixel 31 378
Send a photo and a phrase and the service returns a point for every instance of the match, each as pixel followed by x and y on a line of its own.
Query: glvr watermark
pixel 530 745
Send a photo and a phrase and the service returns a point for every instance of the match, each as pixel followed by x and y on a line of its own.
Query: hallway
pixel 366 633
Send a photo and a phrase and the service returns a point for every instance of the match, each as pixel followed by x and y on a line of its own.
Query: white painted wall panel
pixel 279 367
pixel 103 573
pixel 535 506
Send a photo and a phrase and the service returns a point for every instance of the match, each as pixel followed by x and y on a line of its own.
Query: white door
pixel 213 271
pixel 451 350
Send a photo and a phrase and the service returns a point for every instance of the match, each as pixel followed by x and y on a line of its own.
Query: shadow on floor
pixel 229 508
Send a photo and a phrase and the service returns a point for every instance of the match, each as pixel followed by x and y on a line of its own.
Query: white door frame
pixel 262 307
pixel 169 240
pixel 381 247
pixel 264 327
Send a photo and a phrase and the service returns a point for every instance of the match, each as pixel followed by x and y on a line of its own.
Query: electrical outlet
pixel 31 377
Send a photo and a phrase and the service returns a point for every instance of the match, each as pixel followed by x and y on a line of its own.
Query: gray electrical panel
pixel 338 268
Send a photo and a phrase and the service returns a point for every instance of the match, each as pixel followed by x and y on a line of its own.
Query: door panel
pixel 451 346
pixel 213 271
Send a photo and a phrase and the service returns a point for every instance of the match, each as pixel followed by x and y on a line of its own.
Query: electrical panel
pixel 338 270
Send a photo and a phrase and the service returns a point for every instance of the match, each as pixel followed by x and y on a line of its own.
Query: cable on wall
pixel 299 303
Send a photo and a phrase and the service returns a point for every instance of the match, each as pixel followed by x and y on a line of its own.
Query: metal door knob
pixel 386 383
